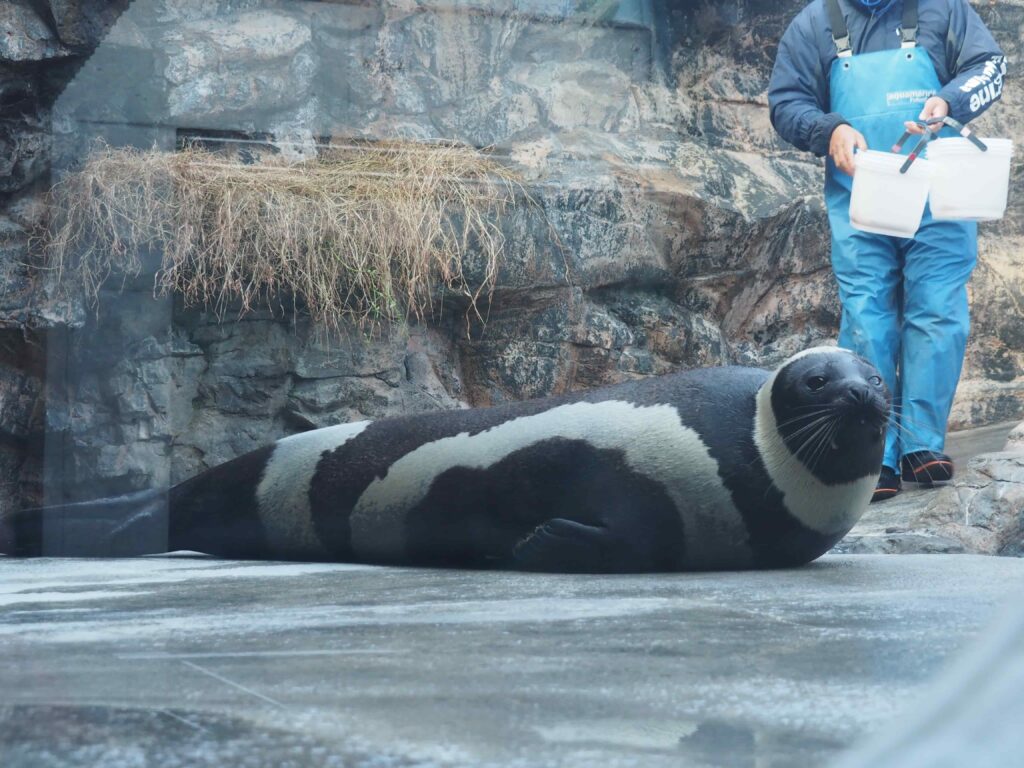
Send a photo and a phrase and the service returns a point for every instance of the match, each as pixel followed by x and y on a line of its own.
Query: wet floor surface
pixel 964 445
pixel 201 662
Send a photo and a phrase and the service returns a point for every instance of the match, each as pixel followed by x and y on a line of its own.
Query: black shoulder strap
pixel 908 28
pixel 840 32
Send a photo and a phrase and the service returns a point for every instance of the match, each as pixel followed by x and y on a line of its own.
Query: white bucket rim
pixel 890 163
pixel 957 145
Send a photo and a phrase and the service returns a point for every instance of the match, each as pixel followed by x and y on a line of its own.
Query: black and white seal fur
pixel 718 468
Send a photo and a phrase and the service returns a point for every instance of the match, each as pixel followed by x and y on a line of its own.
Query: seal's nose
pixel 864 404
pixel 860 394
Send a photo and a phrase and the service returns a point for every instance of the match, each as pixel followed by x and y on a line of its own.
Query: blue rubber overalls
pixel 904 300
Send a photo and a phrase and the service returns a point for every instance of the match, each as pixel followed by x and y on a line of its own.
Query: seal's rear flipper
pixel 21 533
pixel 562 545
pixel 123 526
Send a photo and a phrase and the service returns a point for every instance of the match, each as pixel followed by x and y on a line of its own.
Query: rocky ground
pixel 981 511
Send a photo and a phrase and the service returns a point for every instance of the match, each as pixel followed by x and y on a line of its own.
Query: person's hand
pixel 840 148
pixel 936 106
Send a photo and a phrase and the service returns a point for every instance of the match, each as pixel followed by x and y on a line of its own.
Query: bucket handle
pixel 928 136
pixel 956 125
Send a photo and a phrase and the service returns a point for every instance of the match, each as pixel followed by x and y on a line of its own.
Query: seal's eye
pixel 816 382
pixel 875 381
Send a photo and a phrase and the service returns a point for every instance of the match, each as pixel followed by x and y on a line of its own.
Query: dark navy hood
pixel 873 6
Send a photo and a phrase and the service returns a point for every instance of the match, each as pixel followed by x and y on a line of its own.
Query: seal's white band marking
pixel 653 439
pixel 827 509
pixel 283 493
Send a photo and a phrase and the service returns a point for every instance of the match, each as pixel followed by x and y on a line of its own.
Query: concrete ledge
pixel 202 662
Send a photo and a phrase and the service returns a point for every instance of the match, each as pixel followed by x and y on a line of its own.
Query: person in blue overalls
pixel 856 74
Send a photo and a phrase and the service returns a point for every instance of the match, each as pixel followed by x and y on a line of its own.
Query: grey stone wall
pixel 671 227
pixel 41 46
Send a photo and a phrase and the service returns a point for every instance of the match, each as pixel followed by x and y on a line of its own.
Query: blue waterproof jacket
pixel 970 66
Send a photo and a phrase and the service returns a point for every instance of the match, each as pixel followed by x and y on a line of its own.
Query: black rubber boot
pixel 927 467
pixel 888 485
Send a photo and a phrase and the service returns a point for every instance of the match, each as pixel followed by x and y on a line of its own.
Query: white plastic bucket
pixel 885 201
pixel 969 184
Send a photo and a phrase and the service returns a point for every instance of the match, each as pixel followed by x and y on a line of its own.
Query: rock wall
pixel 41 47
pixel 670 226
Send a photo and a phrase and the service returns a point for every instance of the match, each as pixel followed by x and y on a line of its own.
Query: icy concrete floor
pixel 200 662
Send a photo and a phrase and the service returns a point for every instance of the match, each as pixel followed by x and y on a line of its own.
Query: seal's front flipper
pixel 562 545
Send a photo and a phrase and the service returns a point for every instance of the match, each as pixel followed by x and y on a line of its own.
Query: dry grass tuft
pixel 365 233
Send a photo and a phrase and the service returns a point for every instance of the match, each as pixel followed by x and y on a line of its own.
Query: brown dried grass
pixel 366 234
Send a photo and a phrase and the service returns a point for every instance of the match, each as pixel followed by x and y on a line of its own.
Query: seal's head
pixel 819 428
pixel 830 408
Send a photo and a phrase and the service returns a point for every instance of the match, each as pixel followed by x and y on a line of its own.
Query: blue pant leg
pixel 867 269
pixel 937 265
